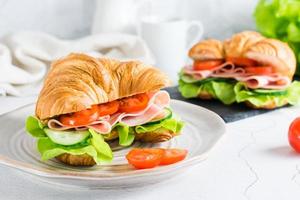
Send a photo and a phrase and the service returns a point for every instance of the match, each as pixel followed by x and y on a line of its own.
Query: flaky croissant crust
pixel 252 45
pixel 79 81
pixel 207 49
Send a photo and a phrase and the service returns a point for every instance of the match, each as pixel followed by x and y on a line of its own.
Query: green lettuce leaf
pixel 174 125
pixel 49 150
pixel 292 96
pixel 34 127
pixel 219 88
pixel 94 146
pixel 126 134
pixel 103 149
pixel 294 93
pixel 229 91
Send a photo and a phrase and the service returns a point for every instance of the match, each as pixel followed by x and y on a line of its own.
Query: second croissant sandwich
pixel 86 102
pixel 246 68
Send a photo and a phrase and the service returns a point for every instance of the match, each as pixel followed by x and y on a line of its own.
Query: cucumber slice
pixel 270 92
pixel 66 137
pixel 168 114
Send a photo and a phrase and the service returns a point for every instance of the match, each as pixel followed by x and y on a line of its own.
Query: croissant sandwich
pixel 246 68
pixel 87 102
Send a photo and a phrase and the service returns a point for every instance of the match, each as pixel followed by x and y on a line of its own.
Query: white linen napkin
pixel 25 56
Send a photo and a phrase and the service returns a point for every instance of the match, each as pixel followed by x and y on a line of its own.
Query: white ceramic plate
pixel 18 150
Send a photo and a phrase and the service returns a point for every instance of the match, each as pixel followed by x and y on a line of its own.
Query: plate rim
pixel 89 175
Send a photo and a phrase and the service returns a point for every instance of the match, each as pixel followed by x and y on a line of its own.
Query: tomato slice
pixel 173 156
pixel 294 134
pixel 243 62
pixel 80 118
pixel 108 108
pixel 206 64
pixel 145 158
pixel 134 103
pixel 259 70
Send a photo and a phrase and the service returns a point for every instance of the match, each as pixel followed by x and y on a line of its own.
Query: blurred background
pixel 74 18
pixel 33 33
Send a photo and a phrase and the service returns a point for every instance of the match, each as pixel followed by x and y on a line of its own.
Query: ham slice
pixel 267 82
pixel 102 125
pixel 158 101
pixel 202 74
pixel 228 70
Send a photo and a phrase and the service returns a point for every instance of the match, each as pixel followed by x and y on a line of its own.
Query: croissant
pixel 79 81
pixel 245 52
pixel 270 52
pixel 239 43
pixel 83 84
pixel 207 49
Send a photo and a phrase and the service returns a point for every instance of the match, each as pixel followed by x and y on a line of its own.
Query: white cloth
pixel 25 56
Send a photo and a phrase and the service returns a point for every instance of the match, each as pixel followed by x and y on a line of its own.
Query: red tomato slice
pixel 243 62
pixel 80 118
pixel 259 70
pixel 145 158
pixel 206 64
pixel 134 103
pixel 294 134
pixel 173 156
pixel 108 108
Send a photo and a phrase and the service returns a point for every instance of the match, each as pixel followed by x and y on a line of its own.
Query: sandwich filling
pixel 238 80
pixel 86 132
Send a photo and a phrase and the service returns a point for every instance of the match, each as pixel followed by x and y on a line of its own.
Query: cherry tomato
pixel 243 62
pixel 145 158
pixel 259 70
pixel 206 64
pixel 173 156
pixel 134 103
pixel 80 118
pixel 294 134
pixel 108 108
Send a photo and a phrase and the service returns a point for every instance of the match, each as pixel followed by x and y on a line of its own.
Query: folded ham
pixel 158 101
pixel 202 74
pixel 228 70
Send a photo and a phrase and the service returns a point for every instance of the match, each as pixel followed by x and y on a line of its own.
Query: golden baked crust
pixel 274 53
pixel 207 49
pixel 239 43
pixel 205 95
pixel 268 106
pixel 76 160
pixel 79 81
pixel 159 135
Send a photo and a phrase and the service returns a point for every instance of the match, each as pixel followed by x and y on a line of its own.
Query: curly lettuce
pixel 221 89
pixel 229 91
pixel 291 95
pixel 94 145
pixel 173 125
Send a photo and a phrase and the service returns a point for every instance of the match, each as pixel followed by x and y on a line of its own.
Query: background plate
pixel 18 150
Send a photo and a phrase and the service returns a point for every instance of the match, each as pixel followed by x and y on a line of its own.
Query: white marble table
pixel 252 161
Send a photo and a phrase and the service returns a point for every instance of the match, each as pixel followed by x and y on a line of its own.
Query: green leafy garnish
pixel 229 92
